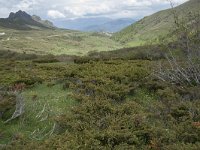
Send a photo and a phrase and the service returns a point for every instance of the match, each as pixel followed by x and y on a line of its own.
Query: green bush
pixel 119 106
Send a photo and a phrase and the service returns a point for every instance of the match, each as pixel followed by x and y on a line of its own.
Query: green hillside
pixel 157 25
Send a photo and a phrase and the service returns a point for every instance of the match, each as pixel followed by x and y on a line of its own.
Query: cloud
pixel 85 8
pixel 27 4
pixel 55 14
pixel 115 8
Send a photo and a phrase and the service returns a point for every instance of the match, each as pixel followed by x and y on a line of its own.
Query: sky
pixel 71 9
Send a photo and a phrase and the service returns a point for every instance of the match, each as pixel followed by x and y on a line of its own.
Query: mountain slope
pixel 23 21
pixel 46 23
pixel 154 26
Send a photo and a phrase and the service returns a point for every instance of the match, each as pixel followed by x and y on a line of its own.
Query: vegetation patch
pixel 43 103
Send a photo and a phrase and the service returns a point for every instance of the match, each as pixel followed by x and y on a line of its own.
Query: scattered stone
pixel 1 34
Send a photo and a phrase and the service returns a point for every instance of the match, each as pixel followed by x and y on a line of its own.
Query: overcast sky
pixel 67 9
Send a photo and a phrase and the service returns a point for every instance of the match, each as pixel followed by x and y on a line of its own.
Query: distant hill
pixel 155 26
pixel 23 21
pixel 95 24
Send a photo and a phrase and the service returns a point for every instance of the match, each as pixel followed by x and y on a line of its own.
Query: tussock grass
pixel 42 105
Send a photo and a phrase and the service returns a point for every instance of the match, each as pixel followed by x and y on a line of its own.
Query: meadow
pixel 56 42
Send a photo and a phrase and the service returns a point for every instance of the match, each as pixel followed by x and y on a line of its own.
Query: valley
pixel 136 89
pixel 56 42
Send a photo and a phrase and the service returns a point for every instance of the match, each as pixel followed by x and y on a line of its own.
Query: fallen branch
pixel 19 108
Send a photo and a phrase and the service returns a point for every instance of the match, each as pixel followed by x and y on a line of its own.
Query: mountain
pixel 111 26
pixel 46 23
pixel 80 23
pixel 155 26
pixel 95 24
pixel 22 20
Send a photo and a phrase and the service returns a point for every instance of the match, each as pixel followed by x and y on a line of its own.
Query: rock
pixel 1 34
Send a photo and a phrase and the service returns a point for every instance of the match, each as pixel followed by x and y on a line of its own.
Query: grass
pixel 143 97
pixel 135 43
pixel 42 105
pixel 55 42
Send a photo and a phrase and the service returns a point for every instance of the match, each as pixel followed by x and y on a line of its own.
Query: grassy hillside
pixel 48 41
pixel 158 25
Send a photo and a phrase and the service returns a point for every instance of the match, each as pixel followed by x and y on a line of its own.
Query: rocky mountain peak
pixel 22 15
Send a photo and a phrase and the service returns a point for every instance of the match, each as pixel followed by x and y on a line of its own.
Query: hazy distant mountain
pixel 80 23
pixel 95 24
pixel 111 26
pixel 22 20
